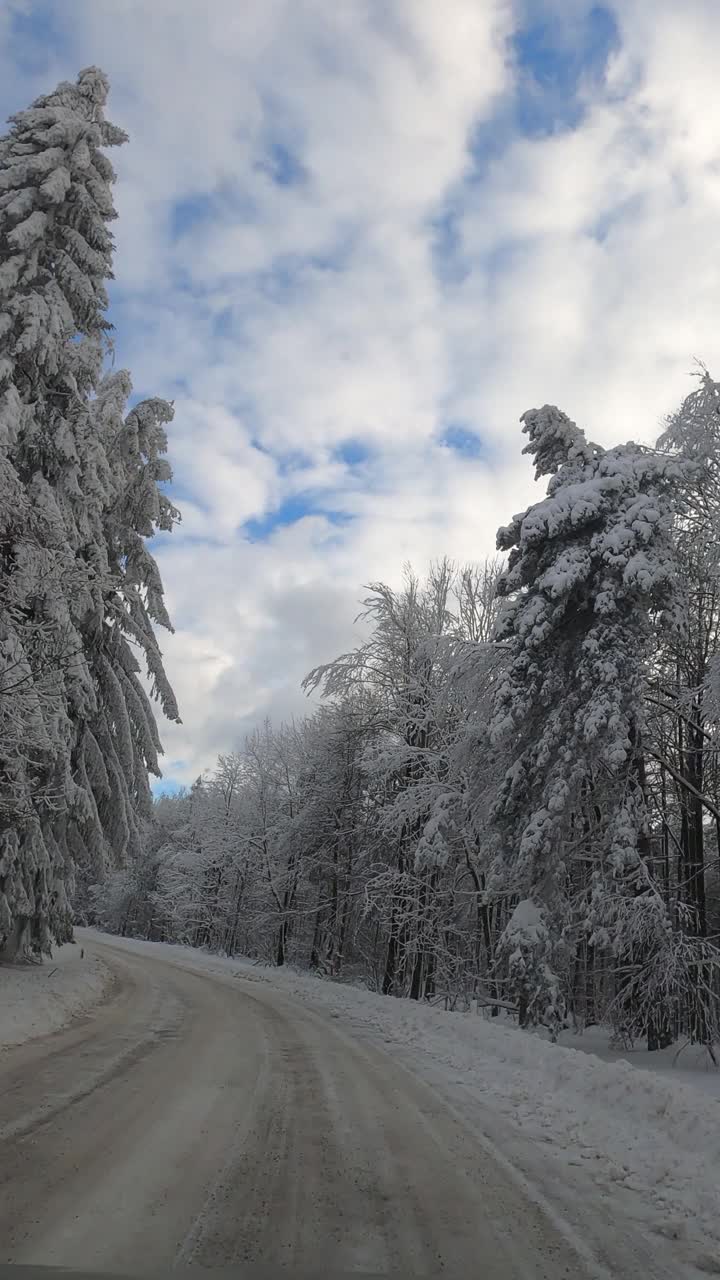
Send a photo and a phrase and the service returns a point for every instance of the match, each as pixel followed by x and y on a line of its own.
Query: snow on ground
pixel 632 1129
pixel 681 1063
pixel 36 999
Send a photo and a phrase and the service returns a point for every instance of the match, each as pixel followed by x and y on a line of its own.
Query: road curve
pixel 200 1120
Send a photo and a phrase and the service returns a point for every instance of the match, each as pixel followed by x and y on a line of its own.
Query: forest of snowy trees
pixel 507 794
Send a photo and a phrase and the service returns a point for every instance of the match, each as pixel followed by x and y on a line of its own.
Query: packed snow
pixel 634 1130
pixel 36 999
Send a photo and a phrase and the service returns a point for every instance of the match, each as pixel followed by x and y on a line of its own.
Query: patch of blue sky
pixel 190 211
pixel 38 36
pixel 555 59
pixel 290 512
pixel 282 165
pixel 167 786
pixel 354 453
pixel 463 440
pixel 179 493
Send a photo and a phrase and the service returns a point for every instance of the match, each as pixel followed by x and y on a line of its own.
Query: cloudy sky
pixel 357 239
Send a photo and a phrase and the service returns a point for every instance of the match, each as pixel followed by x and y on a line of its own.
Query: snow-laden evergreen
pixel 591 567
pixel 79 494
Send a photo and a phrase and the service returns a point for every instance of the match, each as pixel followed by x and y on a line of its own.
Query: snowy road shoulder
pixel 638 1137
pixel 36 999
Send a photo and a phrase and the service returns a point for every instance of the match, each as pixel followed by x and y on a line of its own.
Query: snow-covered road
pixel 199 1117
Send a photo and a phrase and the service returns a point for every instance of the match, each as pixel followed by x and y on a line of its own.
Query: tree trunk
pixel 417 975
pixel 281 952
pixel 315 946
pixel 344 921
pixel 692 766
pixel 388 982
pixel 430 975
pixel 590 1009
pixel 231 937
pixel 659 1029
pixel 16 943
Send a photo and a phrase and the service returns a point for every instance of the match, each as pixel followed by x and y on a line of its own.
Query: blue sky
pixel 354 244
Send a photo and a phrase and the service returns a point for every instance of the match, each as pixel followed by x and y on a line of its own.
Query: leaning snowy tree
pixel 591 575
pixel 79 592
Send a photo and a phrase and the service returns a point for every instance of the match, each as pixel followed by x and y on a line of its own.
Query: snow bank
pixel 631 1128
pixel 39 998
pixel 681 1063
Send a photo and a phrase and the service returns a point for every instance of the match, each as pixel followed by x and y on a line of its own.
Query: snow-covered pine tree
pixel 591 571
pixel 78 493
pixel 126 466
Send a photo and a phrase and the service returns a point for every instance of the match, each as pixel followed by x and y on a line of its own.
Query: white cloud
pixel 606 236
pixel 213 456
pixel 253 618
pixel 289 317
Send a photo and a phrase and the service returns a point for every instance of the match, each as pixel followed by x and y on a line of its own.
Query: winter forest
pixel 506 796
